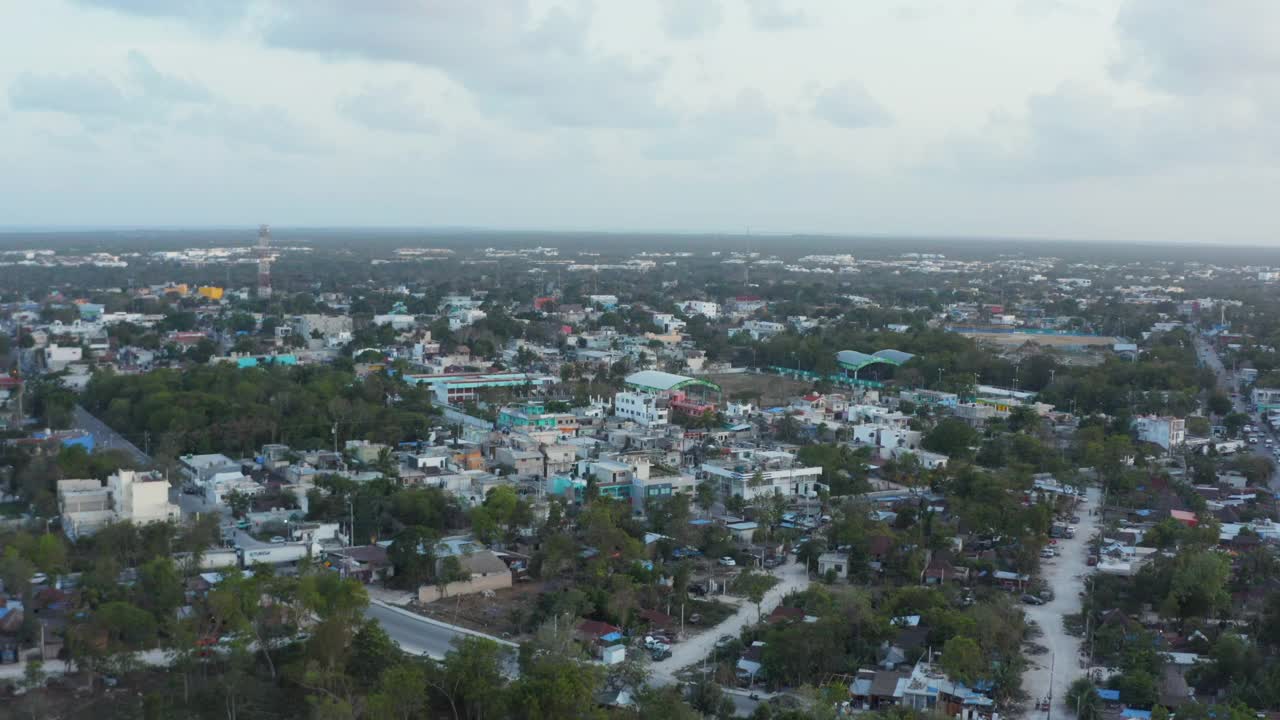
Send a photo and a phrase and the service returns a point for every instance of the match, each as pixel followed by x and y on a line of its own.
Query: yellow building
pixel 211 292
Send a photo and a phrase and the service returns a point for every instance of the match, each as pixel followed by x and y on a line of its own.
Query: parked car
pixel 1092 561
pixel 276 540
pixel 1032 600
pixel 727 561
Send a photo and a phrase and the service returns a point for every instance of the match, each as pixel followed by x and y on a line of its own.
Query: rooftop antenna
pixel 264 261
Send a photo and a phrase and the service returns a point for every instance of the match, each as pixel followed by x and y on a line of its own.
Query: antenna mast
pixel 264 261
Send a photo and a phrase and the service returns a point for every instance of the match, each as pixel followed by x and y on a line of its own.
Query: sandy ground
pixel 1052 672
pixel 774 390
pixel 1016 339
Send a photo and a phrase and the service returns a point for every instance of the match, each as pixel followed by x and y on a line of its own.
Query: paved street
pixel 418 635
pixel 1228 384
pixel 105 438
pixel 1052 672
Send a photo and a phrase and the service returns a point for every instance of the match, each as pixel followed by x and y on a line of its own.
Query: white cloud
pixel 389 108
pixel 537 68
pixel 849 105
pixel 686 19
pixel 85 94
pixel 696 114
pixel 158 85
pixel 776 15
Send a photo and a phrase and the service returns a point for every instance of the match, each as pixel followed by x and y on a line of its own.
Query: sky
pixel 1125 120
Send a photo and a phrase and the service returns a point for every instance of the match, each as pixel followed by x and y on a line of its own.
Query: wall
pixel 496 581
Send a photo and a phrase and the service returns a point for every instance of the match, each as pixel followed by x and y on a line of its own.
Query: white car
pixel 728 561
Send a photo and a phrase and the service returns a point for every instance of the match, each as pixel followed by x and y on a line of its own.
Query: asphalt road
pixel 1228 383
pixel 104 438
pixel 417 635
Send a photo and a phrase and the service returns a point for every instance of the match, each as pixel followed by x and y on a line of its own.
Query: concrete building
pixel 57 358
pixel 86 505
pixel 141 497
pixel 456 388
pixel 669 323
pixel 777 472
pixel 833 562
pixel 1167 432
pixel 759 329
pixel 708 310
pixel 641 408
pixel 199 468
pixel 1265 398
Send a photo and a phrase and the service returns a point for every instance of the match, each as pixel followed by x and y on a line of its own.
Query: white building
pixel 396 321
pixel 465 318
pixel 642 408
pixel 220 485
pixel 57 358
pixel 668 322
pixel 1167 432
pixel 709 310
pixel 199 468
pixel 608 302
pixel 759 329
pixel 129 496
pixel 778 473
pixel 141 497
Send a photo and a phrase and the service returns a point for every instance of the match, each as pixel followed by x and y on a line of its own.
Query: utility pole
pixel 1053 661
pixel 351 508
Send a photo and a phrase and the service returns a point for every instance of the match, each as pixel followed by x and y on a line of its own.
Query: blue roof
pixel 1132 714
pixel 1109 695
pixel 611 637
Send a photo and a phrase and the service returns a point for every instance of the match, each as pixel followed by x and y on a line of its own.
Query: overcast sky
pixel 1097 119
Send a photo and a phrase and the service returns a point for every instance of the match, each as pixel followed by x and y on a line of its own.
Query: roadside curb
pixel 445 625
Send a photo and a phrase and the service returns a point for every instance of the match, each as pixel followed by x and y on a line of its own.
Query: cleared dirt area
pixel 1018 340
pixel 498 615
pixel 772 389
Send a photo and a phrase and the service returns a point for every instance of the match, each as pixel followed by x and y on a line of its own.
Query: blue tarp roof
pixel 1132 714
pixel 1109 695
pixel 611 637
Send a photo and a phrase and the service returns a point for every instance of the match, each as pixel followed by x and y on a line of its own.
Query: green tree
pixel 239 503
pixel 1083 698
pixel 472 679
pixel 963 660
pixel 950 437
pixel 373 652
pixel 400 694
pixel 160 589
pixel 554 687
pixel 1219 404
pixel 754 586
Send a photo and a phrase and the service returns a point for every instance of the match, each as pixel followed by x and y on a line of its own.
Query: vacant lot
pixel 1020 339
pixel 772 389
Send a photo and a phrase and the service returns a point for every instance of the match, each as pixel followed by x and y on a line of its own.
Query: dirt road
pixel 1052 672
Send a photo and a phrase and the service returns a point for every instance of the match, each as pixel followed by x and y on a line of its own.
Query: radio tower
pixel 264 261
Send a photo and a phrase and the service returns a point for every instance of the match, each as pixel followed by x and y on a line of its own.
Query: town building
pixel 1167 432
pixel 749 473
